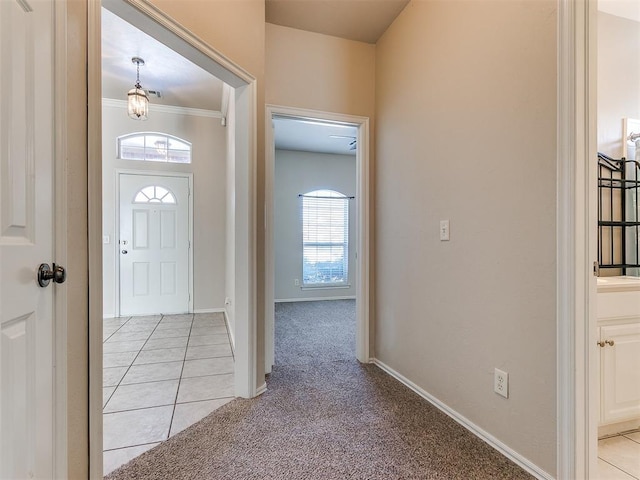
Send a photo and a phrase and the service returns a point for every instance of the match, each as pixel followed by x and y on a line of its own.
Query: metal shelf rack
pixel 618 214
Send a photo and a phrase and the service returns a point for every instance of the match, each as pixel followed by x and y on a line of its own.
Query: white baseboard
pixel 230 331
pixel 209 310
pixel 466 423
pixel 261 389
pixel 313 299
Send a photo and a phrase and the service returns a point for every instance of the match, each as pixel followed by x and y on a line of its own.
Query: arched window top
pixel 154 147
pixel 155 194
pixel 325 194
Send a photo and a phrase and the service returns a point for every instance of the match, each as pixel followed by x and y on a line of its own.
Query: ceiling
pixel 621 8
pixel 184 84
pixel 361 20
pixel 179 81
pixel 314 136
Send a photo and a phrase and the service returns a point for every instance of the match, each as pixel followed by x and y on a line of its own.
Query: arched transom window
pixel 155 194
pixel 154 147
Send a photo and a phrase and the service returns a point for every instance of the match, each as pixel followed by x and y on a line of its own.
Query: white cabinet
pixel 619 372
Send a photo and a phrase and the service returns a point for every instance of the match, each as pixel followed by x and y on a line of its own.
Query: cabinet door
pixel 620 372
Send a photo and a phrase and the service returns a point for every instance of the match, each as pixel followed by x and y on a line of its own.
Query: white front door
pixel 154 244
pixel 26 239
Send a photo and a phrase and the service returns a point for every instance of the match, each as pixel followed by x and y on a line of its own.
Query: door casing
pixel 363 353
pixel 576 212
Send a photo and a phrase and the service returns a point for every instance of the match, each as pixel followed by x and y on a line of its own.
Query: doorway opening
pixel 176 216
pixel 616 326
pixel 317 219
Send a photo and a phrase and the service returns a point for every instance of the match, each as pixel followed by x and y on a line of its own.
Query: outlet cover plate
pixel 501 383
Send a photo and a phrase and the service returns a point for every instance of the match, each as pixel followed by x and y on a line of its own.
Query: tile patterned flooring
pixel 162 373
pixel 619 457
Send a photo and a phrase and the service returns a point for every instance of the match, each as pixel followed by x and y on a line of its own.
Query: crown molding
pixel 198 112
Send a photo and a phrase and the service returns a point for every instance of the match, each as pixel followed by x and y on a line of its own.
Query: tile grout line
pixel 129 367
pixel 155 329
pixel 621 435
pixel 184 359
pixel 131 446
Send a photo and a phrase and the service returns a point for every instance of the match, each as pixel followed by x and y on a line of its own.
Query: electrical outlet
pixel 501 383
pixel 444 230
pixel 296 282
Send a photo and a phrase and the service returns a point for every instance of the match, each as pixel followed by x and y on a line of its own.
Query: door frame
pixel 151 20
pixel 363 352
pixel 577 388
pixel 116 242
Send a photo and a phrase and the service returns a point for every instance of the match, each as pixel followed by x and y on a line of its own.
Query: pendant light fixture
pixel 138 100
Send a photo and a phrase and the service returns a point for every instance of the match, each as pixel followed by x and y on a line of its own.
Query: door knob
pixel 124 252
pixel 45 274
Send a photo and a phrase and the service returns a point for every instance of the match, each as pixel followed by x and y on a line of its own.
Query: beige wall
pixel 319 72
pixel 618 98
pixel 466 131
pixel 208 167
pixel 618 79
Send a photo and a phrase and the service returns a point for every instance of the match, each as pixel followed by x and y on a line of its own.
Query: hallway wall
pixel 466 131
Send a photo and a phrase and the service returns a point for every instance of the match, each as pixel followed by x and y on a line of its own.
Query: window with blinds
pixel 325 238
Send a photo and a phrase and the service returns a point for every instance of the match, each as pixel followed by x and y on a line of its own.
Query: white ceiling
pixel 313 136
pixel 621 8
pixel 180 82
pixel 184 84
pixel 361 20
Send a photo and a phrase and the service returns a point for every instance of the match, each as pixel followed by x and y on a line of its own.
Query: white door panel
pixel 26 233
pixel 154 244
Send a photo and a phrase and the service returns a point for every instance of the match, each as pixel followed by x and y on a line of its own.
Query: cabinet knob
pixel 600 343
pixel 610 342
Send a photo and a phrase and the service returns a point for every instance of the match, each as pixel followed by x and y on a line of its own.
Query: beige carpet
pixel 324 416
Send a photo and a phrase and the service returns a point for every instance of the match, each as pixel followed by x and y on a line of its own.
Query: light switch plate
pixel 444 230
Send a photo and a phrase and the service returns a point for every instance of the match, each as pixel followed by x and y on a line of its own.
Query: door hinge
pixel 596 269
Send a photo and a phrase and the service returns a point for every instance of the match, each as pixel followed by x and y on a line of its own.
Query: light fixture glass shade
pixel 138 103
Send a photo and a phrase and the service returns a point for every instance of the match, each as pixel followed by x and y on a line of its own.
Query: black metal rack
pixel 618 219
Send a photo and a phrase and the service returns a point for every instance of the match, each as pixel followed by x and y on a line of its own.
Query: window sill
pixel 325 286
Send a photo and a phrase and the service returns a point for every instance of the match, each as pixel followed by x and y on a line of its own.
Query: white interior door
pixel 154 244
pixel 26 239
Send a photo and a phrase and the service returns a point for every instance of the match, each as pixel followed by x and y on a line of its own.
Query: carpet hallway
pixel 324 416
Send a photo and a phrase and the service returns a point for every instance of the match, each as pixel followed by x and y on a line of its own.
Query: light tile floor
pixel 162 373
pixel 619 457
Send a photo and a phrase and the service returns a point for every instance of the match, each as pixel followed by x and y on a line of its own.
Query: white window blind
pixel 325 238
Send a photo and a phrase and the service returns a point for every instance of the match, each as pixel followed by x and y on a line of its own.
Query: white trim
pixel 94 194
pixel 230 332
pixel 116 227
pixel 311 299
pixel 362 225
pixel 151 20
pixel 173 109
pixel 261 389
pixel 576 394
pixel 210 310
pixel 468 424
pixel 60 427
